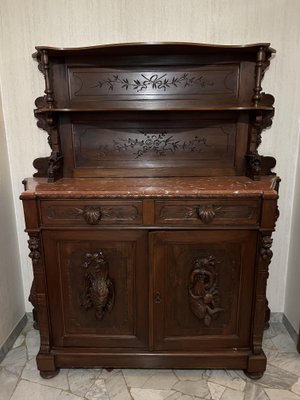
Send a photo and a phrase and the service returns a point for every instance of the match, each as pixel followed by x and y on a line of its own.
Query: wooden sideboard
pixel 150 222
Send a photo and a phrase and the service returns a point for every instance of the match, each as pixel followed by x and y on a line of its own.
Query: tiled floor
pixel 19 379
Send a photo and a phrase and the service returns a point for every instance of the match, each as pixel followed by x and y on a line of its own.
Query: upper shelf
pixel 157 47
pixel 154 76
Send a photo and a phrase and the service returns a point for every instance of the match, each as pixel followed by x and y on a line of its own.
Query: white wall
pixel 26 23
pixel 11 288
pixel 292 298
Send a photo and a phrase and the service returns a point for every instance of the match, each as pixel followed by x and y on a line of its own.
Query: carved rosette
pixel 99 290
pixel 34 244
pixel 202 291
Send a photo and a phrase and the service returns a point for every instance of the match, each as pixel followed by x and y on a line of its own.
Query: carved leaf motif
pixel 203 291
pixel 99 290
pixel 156 82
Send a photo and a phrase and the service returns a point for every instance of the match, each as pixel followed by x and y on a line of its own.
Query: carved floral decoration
pixel 203 292
pixel 99 290
pixel 160 144
pixel 154 82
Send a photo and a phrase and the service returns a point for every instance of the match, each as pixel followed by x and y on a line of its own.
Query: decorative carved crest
pixel 34 245
pixel 99 289
pixel 203 292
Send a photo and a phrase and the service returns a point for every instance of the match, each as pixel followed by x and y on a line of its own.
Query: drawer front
pixel 74 212
pixel 207 212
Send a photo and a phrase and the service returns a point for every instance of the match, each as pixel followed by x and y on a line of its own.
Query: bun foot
pixel 253 375
pixel 49 374
pixel 109 369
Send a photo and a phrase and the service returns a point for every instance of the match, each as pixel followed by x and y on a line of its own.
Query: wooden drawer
pixel 208 212
pixel 72 212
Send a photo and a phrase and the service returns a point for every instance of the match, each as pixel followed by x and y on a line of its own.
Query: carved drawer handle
pixel 91 214
pixel 206 214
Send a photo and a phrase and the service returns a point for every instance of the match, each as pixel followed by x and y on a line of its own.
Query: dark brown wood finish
pixel 150 222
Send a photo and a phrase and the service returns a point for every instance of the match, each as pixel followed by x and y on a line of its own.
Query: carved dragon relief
pixel 203 292
pixel 99 289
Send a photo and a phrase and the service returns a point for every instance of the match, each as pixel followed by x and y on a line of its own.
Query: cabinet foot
pixel 49 374
pixel 253 375
pixel 109 369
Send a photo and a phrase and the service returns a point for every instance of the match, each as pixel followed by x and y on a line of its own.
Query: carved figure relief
pixel 203 292
pixel 99 290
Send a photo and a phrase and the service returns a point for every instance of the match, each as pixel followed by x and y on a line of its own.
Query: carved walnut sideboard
pixel 150 222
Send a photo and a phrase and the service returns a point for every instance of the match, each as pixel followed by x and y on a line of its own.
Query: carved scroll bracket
pixel 256 164
pixel 203 292
pixel 99 290
pixel 49 166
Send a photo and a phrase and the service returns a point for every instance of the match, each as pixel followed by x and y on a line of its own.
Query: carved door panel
pixel 202 289
pixel 98 286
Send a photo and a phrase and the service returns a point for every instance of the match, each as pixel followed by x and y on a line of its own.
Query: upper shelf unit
pixel 154 76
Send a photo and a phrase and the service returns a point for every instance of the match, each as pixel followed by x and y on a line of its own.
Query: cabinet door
pixel 97 288
pixel 202 289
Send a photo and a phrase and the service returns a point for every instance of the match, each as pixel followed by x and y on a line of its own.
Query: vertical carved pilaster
pixel 35 255
pixel 264 259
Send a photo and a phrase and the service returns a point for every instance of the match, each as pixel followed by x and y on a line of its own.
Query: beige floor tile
pixel 8 382
pixel 33 391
